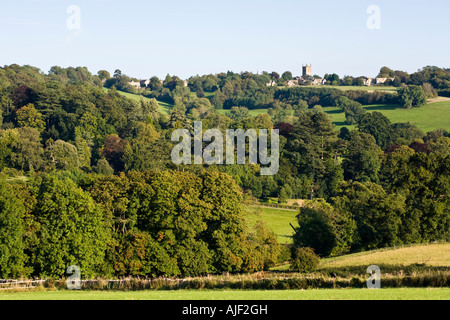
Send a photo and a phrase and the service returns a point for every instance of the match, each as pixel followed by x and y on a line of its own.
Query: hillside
pixel 278 220
pixel 432 256
pixel 430 117
pixel 364 88
pixel 427 254
pixel 164 107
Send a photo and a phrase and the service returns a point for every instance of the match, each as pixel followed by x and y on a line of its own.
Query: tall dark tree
pixel 378 125
pixel 363 158
pixel 12 231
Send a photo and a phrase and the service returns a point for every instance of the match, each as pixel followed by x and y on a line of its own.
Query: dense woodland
pixel 87 179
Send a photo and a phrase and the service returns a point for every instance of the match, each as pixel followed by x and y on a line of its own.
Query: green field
pixel 426 260
pixel 427 118
pixel 362 88
pixel 164 107
pixel 437 255
pixel 354 88
pixel 313 294
pixel 277 219
pixel 253 112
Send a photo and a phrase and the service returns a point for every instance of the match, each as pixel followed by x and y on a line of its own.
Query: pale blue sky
pixel 185 38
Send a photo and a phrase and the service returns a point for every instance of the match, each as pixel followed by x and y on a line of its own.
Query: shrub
pixel 285 253
pixel 304 260
pixel 324 229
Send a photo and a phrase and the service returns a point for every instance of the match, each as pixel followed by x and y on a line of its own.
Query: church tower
pixel 307 71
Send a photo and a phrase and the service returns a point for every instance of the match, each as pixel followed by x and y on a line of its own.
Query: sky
pixel 197 37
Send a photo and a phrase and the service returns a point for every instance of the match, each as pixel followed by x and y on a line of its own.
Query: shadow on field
pixel 383 107
pixel 333 111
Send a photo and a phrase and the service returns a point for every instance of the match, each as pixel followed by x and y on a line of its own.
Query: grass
pixel 429 254
pixel 354 88
pixel 417 272
pixel 362 88
pixel 429 117
pixel 276 219
pixel 313 294
pixel 18 178
pixel 252 113
pixel 164 107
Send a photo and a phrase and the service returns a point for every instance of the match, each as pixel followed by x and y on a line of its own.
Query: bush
pixel 324 229
pixel 304 260
pixel 285 253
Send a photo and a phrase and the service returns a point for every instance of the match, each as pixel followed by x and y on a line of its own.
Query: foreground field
pixel 418 272
pixel 315 294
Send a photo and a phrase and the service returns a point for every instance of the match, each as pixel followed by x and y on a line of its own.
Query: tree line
pixel 165 223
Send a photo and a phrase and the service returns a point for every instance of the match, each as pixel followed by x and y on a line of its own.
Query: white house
pixel 136 84
pixel 144 83
pixel 368 82
pixel 319 82
pixel 383 80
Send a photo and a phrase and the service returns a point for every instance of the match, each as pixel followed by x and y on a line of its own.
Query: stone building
pixel 136 84
pixel 383 80
pixel 307 71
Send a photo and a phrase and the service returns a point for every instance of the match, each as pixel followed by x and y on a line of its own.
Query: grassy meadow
pixel 429 117
pixel 432 116
pixel 277 219
pixel 363 88
pixel 253 112
pixel 416 272
pixel 313 294
pixel 436 255
pixel 164 107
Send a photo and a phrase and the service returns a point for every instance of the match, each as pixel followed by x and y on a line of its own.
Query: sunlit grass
pixel 278 220
pixel 437 254
pixel 164 107
pixel 427 118
pixel 313 294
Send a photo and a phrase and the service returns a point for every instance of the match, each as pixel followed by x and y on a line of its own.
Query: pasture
pixel 429 117
pixel 432 116
pixel 278 220
pixel 252 113
pixel 363 88
pixel 416 272
pixel 164 107
pixel 313 294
